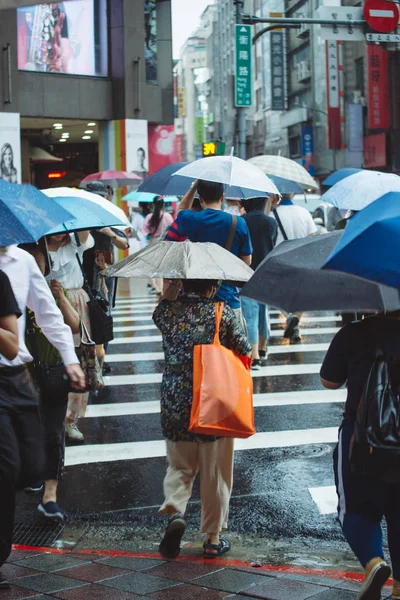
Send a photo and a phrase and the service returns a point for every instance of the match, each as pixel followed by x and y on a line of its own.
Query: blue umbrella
pixel 286 186
pixel 147 197
pixel 86 215
pixel 26 214
pixel 339 175
pixel 162 183
pixel 370 246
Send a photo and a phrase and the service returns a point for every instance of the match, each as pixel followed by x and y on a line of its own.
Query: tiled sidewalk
pixel 81 576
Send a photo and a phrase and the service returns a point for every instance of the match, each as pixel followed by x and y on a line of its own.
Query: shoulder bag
pixel 86 352
pixel 222 402
pixel 278 220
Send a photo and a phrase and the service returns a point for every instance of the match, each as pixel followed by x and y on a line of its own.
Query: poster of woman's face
pixel 10 148
pixel 137 147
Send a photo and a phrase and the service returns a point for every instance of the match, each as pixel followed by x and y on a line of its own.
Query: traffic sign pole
pixel 243 80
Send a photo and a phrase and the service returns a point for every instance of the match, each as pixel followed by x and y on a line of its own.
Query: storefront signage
pixel 333 76
pixel 375 151
pixel 277 71
pixel 378 88
pixel 307 148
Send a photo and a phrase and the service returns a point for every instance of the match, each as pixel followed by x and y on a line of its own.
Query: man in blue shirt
pixel 211 224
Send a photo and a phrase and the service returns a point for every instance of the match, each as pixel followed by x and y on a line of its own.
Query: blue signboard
pixel 307 148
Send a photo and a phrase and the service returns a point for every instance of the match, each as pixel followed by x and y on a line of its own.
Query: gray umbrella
pixel 290 278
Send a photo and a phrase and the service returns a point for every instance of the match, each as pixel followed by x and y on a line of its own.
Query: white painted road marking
pixel 325 498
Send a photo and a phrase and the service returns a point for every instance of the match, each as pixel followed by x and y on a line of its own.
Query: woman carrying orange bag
pixel 185 323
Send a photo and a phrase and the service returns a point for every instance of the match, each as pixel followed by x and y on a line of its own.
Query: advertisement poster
pixel 150 46
pixel 164 147
pixel 10 147
pixel 61 37
pixel 307 148
pixel 137 147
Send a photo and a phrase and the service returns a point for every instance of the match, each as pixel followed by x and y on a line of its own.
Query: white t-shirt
pixel 65 268
pixel 297 222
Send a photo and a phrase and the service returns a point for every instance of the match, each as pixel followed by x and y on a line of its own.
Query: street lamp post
pixel 241 112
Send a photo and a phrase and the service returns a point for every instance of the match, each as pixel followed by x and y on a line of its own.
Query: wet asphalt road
pixel 271 496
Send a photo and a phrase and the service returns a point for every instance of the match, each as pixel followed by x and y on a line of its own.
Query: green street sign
pixel 243 67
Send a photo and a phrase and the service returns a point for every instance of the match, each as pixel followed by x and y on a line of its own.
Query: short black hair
pixel 210 191
pixel 254 204
pixel 198 286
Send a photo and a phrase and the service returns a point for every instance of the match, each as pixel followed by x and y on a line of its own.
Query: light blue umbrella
pixel 26 214
pixel 359 190
pixel 370 245
pixel 86 215
pixel 339 175
pixel 148 197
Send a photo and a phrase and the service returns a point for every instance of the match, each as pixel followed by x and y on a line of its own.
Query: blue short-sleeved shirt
pixel 212 225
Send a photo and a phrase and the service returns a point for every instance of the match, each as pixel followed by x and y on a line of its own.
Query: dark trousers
pixel 53 388
pixel 21 451
pixel 363 502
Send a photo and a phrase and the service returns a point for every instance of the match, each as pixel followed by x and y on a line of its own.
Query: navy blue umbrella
pixel 339 175
pixel 26 214
pixel 286 186
pixel 164 184
pixel 370 246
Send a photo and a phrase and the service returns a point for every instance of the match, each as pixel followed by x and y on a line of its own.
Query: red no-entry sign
pixel 381 15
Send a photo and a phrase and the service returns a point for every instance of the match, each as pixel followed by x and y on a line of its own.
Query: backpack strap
pixel 278 220
pixel 232 231
pixel 219 309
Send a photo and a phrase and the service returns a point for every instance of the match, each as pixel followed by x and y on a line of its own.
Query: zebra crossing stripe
pixel 259 401
pixel 96 453
pixel 325 498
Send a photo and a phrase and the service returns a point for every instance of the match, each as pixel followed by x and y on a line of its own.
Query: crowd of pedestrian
pixel 46 290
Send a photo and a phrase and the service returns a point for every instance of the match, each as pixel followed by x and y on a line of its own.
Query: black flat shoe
pixel 170 546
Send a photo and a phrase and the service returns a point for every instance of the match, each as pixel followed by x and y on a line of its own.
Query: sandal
pixel 215 550
pixel 170 546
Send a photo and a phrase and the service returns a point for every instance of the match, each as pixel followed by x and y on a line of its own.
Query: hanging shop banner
pixel 277 71
pixel 333 69
pixel 375 151
pixel 307 149
pixel 150 45
pixel 137 146
pixel 378 88
pixel 163 147
pixel 199 128
pixel 10 147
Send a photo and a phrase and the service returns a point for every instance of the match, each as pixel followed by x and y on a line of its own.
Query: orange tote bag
pixel 222 390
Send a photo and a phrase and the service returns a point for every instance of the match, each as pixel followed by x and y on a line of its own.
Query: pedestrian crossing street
pixel 292 411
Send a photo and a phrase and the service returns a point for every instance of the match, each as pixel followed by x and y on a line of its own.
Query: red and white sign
pixel 375 151
pixel 334 94
pixel 378 88
pixel 381 15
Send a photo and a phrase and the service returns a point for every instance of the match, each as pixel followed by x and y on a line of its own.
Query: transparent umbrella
pixel 284 167
pixel 185 260
pixel 359 190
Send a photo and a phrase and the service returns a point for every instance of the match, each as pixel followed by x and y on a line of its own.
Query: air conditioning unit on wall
pixel 356 97
pixel 303 71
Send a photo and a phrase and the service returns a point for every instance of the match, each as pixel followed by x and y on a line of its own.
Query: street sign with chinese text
pixel 381 15
pixel 348 33
pixel 333 77
pixel 378 88
pixel 243 70
pixel 277 71
pixel 383 37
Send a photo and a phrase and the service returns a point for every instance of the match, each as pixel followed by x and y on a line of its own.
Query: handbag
pixel 101 321
pixel 86 352
pixel 222 389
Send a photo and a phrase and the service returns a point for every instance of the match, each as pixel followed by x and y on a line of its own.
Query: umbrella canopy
pixel 230 170
pixel 339 175
pixel 26 214
pixel 107 205
pixel 284 167
pixel 291 278
pixel 370 246
pixel 115 179
pixel 359 190
pixel 147 197
pixel 186 260
pixel 86 215
pixel 285 186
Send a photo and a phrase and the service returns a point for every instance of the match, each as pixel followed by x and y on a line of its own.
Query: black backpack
pixel 375 445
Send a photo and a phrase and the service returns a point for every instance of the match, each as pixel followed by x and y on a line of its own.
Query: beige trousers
pixel 214 461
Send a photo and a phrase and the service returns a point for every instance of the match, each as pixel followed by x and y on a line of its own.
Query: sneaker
pixel 73 433
pixel 256 364
pixel 377 573
pixel 4 585
pixel 263 357
pixel 170 546
pixel 296 337
pixel 51 510
pixel 35 488
pixel 291 323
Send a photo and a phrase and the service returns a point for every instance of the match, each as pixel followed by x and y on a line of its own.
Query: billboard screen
pixel 63 37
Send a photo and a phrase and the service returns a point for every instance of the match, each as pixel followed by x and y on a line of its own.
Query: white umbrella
pixel 183 260
pixel 231 171
pixel 65 192
pixel 280 166
pixel 359 190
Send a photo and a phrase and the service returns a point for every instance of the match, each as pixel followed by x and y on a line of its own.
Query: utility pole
pixel 241 112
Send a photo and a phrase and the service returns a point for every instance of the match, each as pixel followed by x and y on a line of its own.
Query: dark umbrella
pixel 290 278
